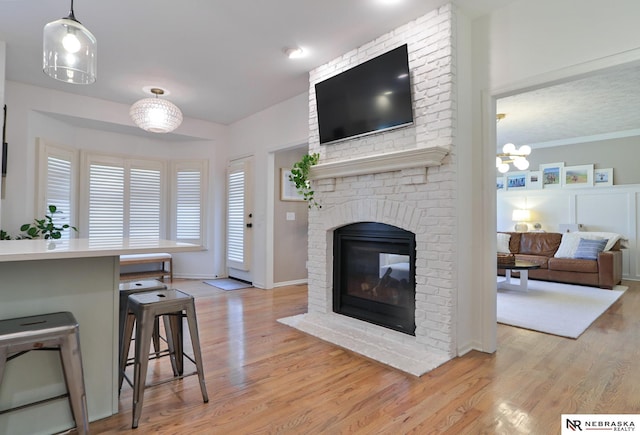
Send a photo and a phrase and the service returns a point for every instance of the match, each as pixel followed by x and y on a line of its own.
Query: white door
pixel 239 218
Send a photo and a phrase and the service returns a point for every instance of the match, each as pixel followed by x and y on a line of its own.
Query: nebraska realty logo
pixel 596 423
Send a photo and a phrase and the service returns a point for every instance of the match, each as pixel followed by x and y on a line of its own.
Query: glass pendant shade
pixel 156 115
pixel 69 51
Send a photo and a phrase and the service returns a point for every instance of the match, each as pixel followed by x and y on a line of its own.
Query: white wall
pixel 260 135
pixel 35 112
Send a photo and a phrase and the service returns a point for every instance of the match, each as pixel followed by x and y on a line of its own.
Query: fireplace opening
pixel 374 275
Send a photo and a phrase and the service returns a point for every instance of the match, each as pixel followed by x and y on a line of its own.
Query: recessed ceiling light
pixel 294 52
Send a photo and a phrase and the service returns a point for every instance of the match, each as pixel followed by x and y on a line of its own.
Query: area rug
pixel 228 284
pixel 560 309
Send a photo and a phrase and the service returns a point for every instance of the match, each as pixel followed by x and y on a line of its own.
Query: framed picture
pixel 516 180
pixel 603 177
pixel 534 180
pixel 577 176
pixel 500 183
pixel 288 191
pixel 551 174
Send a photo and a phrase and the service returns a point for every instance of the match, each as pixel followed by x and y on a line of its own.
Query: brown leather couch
pixel 539 248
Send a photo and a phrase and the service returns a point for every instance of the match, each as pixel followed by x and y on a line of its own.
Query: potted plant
pixel 300 177
pixel 44 228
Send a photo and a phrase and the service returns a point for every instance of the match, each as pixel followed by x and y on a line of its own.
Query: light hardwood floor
pixel 266 378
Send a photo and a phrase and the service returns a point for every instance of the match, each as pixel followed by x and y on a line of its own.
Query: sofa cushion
pixel 589 249
pixel 514 242
pixel 545 244
pixel 573 265
pixel 503 243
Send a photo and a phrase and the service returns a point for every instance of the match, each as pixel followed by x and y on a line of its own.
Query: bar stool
pixel 142 310
pixel 56 331
pixel 129 288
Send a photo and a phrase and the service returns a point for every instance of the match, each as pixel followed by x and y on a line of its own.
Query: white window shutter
pixel 145 203
pixel 237 240
pixel 106 202
pixel 57 168
pixel 189 187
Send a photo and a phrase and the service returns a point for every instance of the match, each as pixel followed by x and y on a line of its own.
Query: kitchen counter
pixel 80 276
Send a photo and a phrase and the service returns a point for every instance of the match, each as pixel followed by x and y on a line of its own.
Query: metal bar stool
pixel 56 331
pixel 129 288
pixel 142 310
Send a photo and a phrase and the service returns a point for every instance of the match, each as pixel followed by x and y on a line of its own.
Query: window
pixel 57 184
pixel 188 199
pixel 123 197
pixel 237 215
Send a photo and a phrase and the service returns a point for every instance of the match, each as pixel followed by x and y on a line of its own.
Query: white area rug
pixel 555 308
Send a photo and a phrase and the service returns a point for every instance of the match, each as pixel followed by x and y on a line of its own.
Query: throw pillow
pixel 503 243
pixel 589 249
pixel 613 237
pixel 570 241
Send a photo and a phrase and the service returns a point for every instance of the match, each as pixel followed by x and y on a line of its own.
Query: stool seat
pixel 55 330
pixel 129 288
pixel 142 311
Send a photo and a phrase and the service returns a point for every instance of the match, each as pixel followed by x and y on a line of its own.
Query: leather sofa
pixel 539 248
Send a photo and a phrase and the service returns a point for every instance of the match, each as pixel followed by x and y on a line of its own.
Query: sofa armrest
pixel 609 269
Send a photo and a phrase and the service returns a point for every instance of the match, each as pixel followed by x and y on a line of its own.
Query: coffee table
pixel 523 267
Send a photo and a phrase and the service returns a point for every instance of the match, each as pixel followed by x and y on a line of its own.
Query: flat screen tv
pixel 368 98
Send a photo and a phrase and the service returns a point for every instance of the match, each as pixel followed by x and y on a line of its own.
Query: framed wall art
pixel 534 180
pixel 516 180
pixel 577 176
pixel 551 174
pixel 603 177
pixel 288 191
pixel 500 183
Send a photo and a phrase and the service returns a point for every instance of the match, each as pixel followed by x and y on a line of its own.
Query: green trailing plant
pixel 300 177
pixel 4 235
pixel 44 228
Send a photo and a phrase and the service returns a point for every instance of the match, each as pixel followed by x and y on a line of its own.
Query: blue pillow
pixel 589 249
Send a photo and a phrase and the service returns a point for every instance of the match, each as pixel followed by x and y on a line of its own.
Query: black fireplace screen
pixel 374 275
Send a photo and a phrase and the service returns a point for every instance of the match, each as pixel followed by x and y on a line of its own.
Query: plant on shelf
pixel 44 228
pixel 300 177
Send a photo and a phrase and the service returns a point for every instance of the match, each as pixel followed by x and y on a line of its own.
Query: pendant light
pixel 69 51
pixel 156 115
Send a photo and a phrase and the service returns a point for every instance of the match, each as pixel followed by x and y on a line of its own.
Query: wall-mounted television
pixel 368 98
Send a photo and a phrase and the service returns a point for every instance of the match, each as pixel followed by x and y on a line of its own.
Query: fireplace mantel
pixel 395 161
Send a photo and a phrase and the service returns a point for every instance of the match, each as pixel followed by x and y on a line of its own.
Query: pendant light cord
pixel 71 14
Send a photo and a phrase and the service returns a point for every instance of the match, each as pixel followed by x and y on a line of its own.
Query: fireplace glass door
pixel 374 275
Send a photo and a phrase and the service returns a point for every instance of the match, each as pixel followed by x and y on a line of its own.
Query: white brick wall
pixel 418 200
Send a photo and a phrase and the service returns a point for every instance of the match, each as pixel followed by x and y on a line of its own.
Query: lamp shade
pixel 156 115
pixel 69 52
pixel 520 215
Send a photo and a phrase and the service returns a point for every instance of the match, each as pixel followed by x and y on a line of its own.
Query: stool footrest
pixel 39 402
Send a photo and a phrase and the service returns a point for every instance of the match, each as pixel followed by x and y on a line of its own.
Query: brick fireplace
pixel 404 178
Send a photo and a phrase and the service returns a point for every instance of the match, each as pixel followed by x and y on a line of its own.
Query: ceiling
pixel 602 105
pixel 220 60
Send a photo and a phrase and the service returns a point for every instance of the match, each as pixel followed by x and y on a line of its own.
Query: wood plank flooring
pixel 266 378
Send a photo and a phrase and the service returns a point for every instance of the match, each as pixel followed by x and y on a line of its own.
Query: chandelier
pixel 69 51
pixel 156 115
pixel 516 157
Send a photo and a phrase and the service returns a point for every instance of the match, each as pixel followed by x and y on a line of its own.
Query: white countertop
pixel 25 250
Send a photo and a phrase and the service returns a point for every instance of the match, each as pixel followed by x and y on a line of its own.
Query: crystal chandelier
pixel 156 115
pixel 510 155
pixel 69 51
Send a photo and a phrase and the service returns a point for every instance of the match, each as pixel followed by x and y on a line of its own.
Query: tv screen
pixel 371 97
